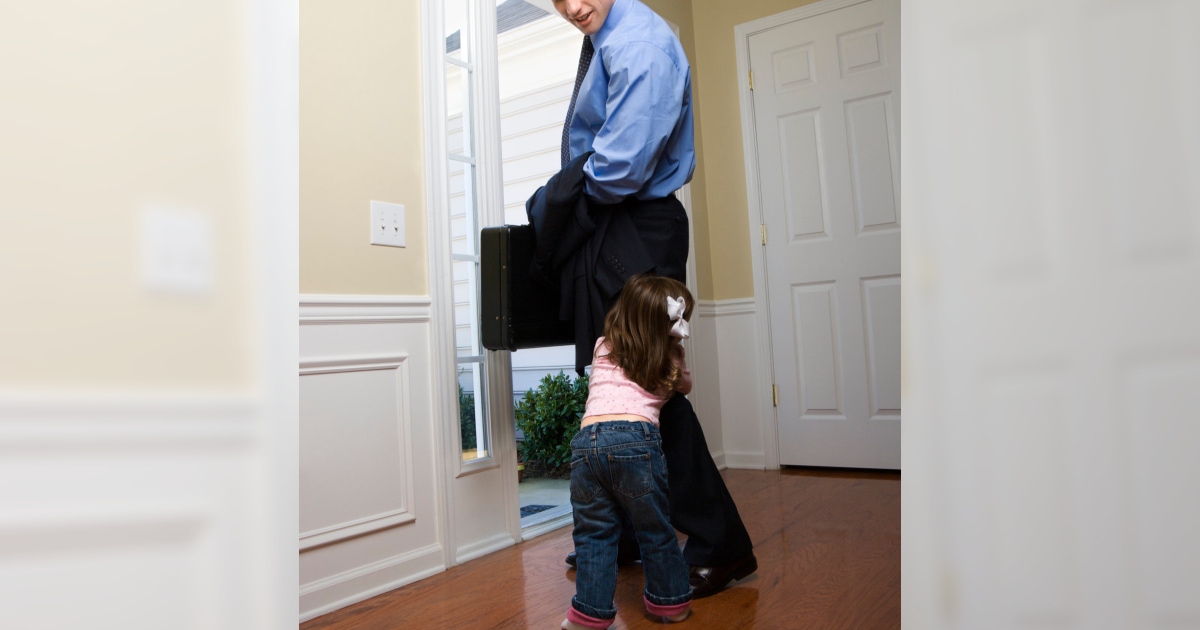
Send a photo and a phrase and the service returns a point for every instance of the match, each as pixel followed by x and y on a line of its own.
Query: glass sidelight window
pixel 461 153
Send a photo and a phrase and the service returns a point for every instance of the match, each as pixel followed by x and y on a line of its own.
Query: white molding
pixel 799 13
pixel 357 527
pixel 748 461
pixel 126 405
pixel 724 308
pixel 350 299
pixel 490 172
pixel 364 571
pixel 719 460
pixel 102 525
pixel 123 421
pixel 443 391
pixel 271 37
pixel 356 363
pixel 484 547
pixel 338 578
pixel 391 518
pixel 471 467
pixel 363 309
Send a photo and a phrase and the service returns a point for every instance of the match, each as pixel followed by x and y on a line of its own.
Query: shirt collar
pixel 618 11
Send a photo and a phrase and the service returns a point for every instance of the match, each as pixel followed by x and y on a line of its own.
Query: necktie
pixel 585 60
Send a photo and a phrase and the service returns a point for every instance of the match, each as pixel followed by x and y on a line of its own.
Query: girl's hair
pixel 637 331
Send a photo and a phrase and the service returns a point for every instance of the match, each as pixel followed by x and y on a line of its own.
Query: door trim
pixel 442 399
pixel 754 212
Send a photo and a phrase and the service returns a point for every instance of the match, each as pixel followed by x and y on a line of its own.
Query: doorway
pixel 821 112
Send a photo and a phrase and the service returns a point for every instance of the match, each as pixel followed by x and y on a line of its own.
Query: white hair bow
pixel 675 310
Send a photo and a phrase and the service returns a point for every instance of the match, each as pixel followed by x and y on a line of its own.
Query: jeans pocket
pixel 583 484
pixel 632 475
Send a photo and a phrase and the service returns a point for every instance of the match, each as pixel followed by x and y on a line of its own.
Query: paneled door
pixel 826 94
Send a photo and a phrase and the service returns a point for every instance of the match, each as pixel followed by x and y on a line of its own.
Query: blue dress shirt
pixel 634 109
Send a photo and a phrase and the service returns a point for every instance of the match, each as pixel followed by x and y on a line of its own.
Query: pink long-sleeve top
pixel 612 396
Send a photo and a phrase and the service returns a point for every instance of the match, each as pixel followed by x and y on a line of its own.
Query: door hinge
pixel 774 395
pixel 763 227
pixel 751 73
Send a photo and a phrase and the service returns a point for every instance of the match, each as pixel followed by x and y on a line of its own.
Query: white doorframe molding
pixel 754 214
pixel 444 401
pixel 444 392
pixel 489 171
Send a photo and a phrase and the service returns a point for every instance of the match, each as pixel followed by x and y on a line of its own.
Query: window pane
pixel 466 309
pixel 458 111
pixel 464 226
pixel 458 34
pixel 472 412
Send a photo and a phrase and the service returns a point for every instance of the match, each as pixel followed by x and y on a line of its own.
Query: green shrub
pixel 550 416
pixel 466 418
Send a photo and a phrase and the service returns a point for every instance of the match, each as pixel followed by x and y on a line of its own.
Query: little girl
pixel 617 463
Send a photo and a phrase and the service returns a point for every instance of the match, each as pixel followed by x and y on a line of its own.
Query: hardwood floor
pixel 828 548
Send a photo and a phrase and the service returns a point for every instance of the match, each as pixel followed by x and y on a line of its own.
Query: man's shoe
pixel 623 557
pixel 711 580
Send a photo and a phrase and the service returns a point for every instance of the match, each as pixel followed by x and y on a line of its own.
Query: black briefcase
pixel 518 311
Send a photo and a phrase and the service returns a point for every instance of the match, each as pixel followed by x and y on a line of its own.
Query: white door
pixel 1054 242
pixel 826 113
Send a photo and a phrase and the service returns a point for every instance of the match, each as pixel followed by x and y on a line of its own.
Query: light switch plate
pixel 177 251
pixel 387 224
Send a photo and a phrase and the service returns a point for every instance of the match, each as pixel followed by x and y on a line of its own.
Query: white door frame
pixel 762 314
pixel 449 466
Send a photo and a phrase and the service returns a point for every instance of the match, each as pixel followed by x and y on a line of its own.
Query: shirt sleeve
pixel 643 105
pixel 685 381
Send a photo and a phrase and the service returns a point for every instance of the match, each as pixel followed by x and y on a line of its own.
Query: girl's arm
pixel 685 375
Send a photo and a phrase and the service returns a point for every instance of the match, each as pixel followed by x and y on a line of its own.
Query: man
pixel 632 107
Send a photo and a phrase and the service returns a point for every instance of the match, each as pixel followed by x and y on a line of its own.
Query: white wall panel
pixel 742 442
pixel 368 498
pixel 152 495
pixel 355 447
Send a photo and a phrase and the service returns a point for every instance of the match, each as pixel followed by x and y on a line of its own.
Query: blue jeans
pixel 617 467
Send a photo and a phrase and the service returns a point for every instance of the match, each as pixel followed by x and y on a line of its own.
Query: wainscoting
pixel 368 487
pixel 370 494
pixel 154 502
pixel 725 372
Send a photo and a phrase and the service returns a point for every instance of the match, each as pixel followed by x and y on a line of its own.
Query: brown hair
pixel 637 331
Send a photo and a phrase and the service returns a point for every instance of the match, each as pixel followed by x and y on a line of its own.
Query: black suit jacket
pixel 588 250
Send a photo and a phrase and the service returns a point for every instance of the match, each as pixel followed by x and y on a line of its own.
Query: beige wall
pixel 361 139
pixel 109 111
pixel 679 12
pixel 719 128
pixel 361 135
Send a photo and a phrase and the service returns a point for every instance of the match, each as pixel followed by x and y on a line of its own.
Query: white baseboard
pixel 719 460
pixel 747 461
pixel 484 547
pixel 363 583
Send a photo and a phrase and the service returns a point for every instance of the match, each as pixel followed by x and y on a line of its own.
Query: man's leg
pixel 701 505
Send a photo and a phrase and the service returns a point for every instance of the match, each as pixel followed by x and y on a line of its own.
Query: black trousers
pixel 701 506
